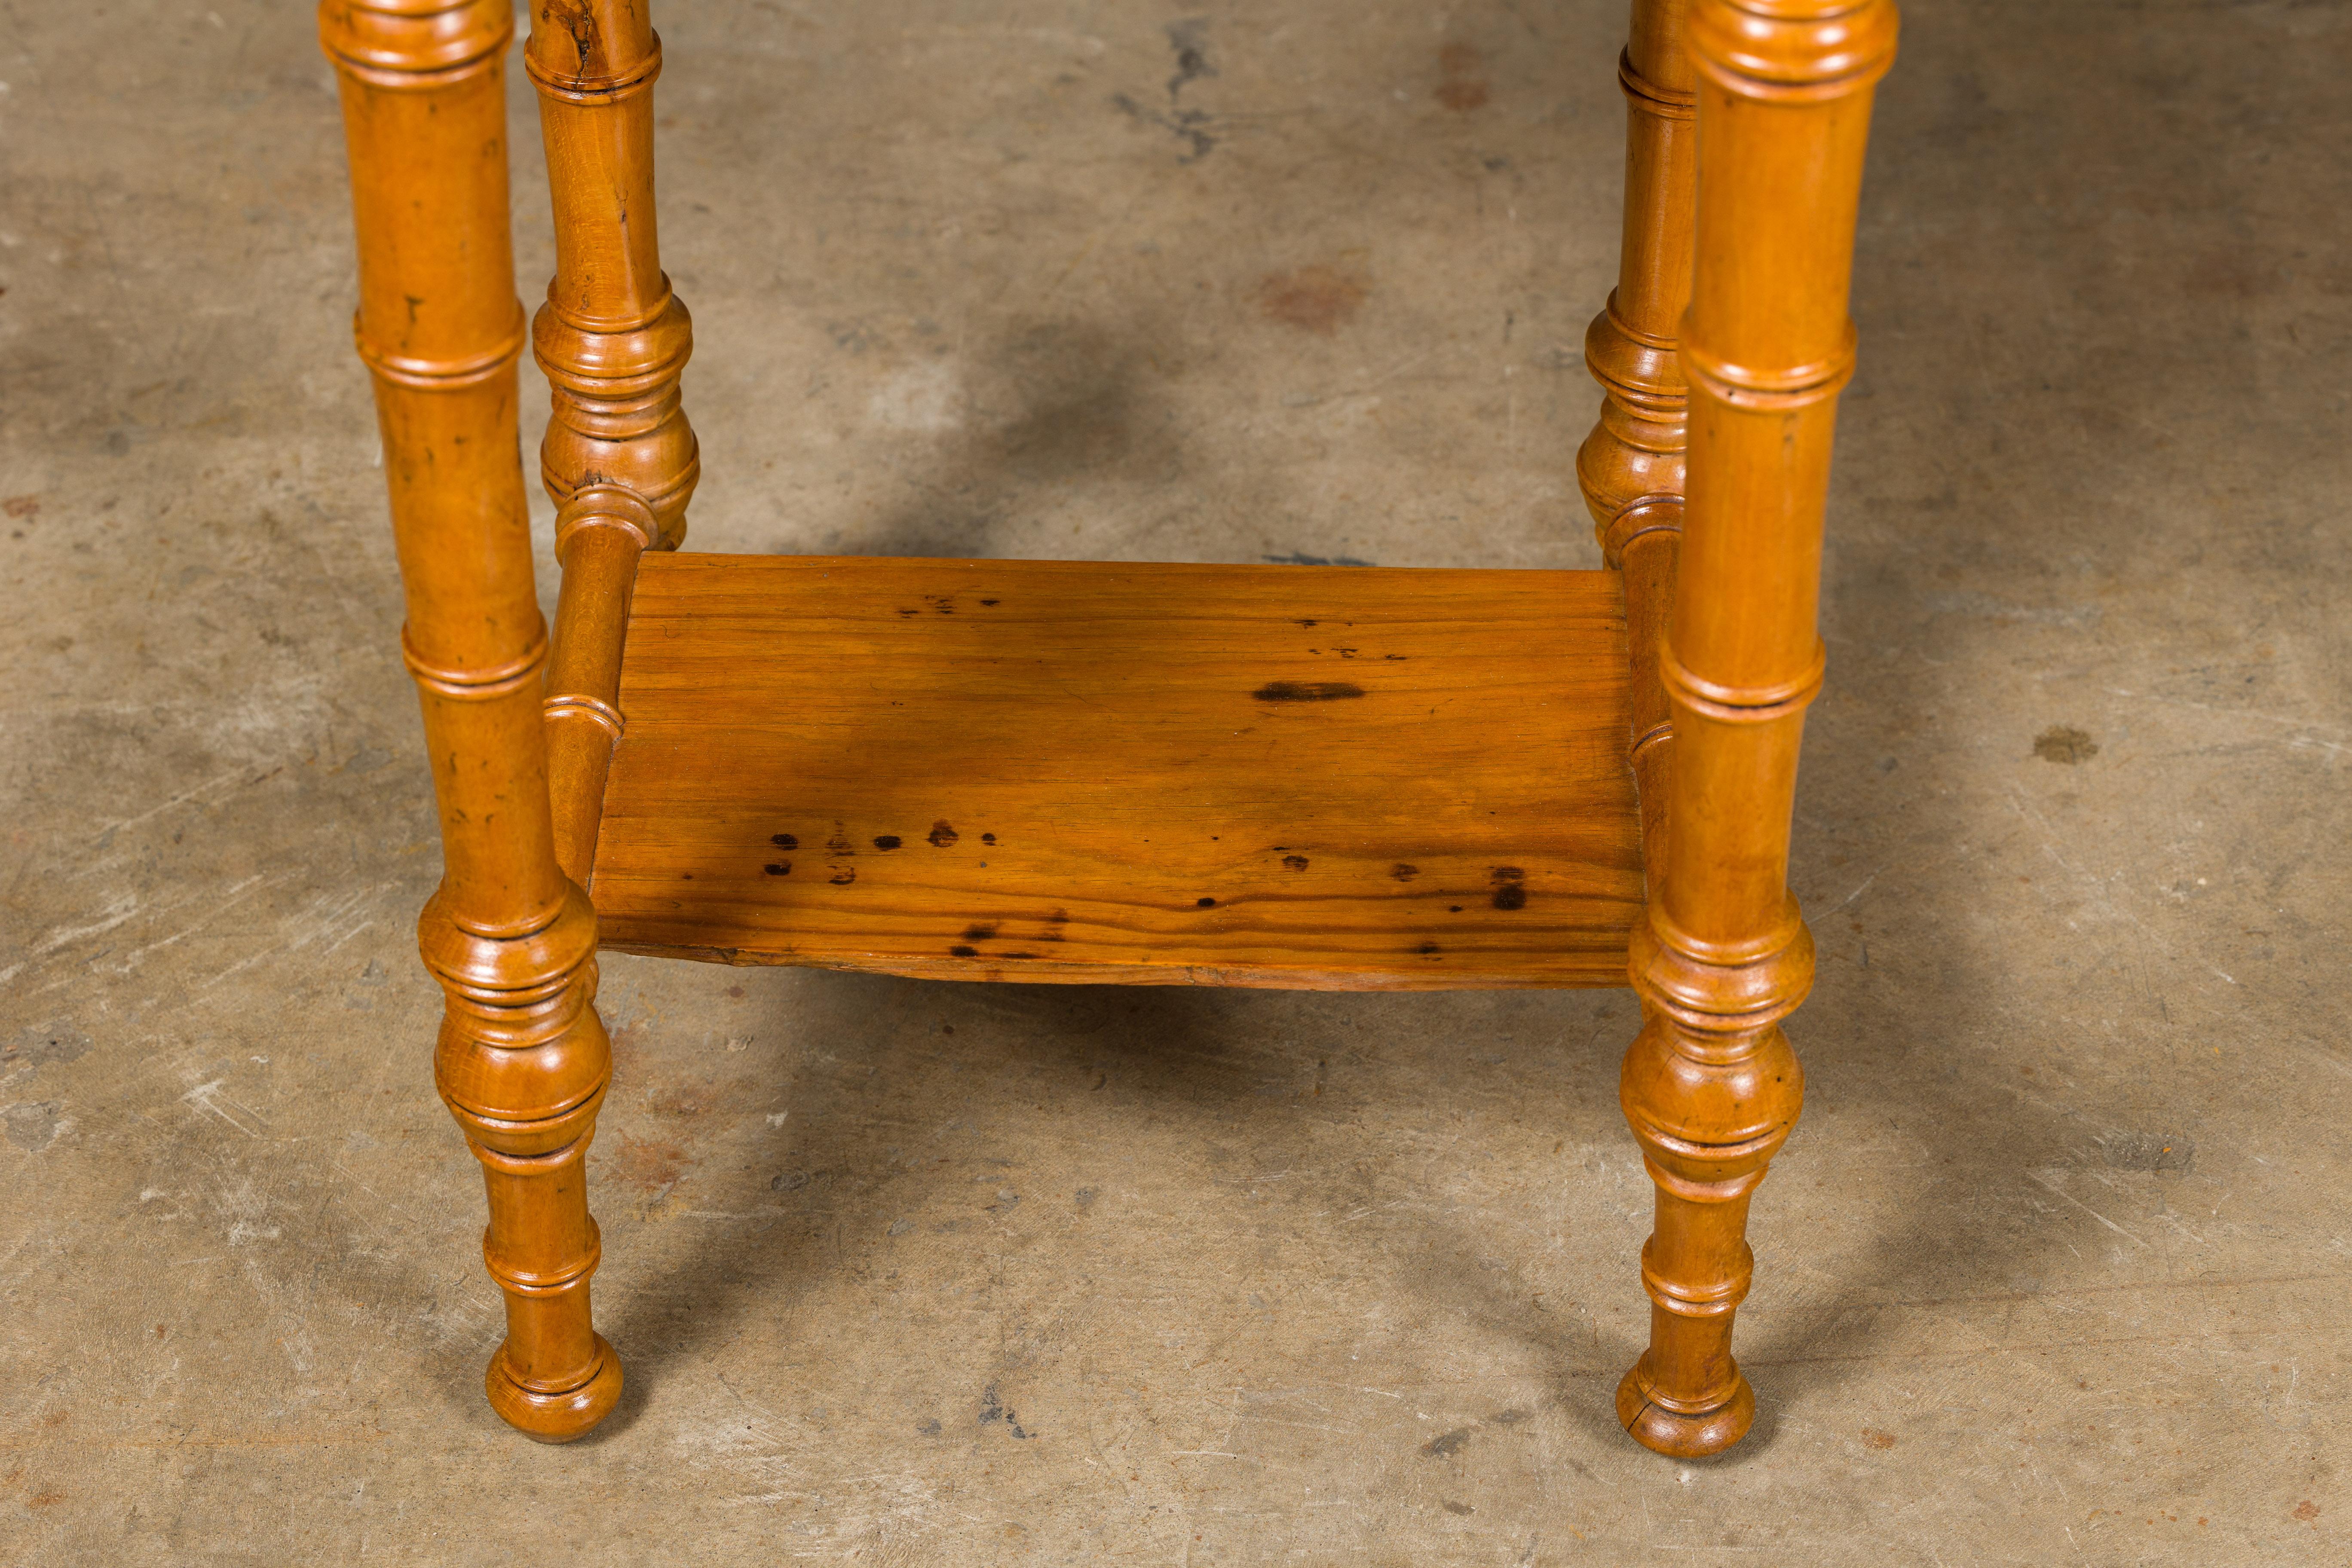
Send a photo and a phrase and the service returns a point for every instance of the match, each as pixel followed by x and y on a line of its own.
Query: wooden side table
pixel 1075 771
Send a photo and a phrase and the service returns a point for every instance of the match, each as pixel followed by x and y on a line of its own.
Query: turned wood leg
pixel 522 1061
pixel 1631 468
pixel 619 460
pixel 1711 1087
pixel 600 535
pixel 612 337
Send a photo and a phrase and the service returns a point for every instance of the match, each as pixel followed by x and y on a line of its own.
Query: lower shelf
pixel 1324 778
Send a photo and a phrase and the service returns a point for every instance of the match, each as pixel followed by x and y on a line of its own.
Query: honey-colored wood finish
pixel 1087 772
pixel 1223 775
pixel 612 337
pixel 1711 1087
pixel 1631 468
pixel 522 1061
pixel 599 536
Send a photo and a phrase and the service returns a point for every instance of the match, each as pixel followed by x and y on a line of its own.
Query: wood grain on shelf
pixel 1240 775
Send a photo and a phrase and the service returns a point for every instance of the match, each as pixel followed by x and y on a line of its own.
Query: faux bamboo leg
pixel 1631 468
pixel 612 337
pixel 1711 1087
pixel 599 536
pixel 1635 453
pixel 522 1061
pixel 612 340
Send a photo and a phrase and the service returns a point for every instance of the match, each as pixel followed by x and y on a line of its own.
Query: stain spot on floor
pixel 2147 1152
pixel 992 1410
pixel 1300 558
pixel 1190 40
pixel 37 1044
pixel 1460 1508
pixel 650 1166
pixel 33 1125
pixel 1462 84
pixel 2065 743
pixel 1446 1444
pixel 1316 299
pixel 1876 1439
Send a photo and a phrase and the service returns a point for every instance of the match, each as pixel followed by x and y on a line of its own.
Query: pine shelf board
pixel 1285 776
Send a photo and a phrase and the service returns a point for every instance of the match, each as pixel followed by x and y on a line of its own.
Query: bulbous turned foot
pixel 1678 1434
pixel 555 1417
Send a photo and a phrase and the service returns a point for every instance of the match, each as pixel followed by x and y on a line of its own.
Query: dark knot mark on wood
pixel 1403 872
pixel 779 868
pixel 979 932
pixel 1306 690
pixel 988 838
pixel 585 45
pixel 992 603
pixel 843 878
pixel 1508 893
pixel 959 951
pixel 1426 948
pixel 1204 903
pixel 1294 862
pixel 886 841
pixel 785 841
pixel 839 843
pixel 941 835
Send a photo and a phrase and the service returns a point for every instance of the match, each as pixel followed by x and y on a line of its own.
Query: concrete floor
pixel 2054 1271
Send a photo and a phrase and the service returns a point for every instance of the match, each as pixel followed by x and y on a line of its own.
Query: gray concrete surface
pixel 2055 1270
